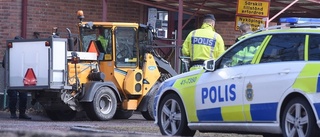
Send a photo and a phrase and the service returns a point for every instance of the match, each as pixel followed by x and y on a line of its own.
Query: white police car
pixel 273 91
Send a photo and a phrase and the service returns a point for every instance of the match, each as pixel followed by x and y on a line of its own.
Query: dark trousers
pixel 13 99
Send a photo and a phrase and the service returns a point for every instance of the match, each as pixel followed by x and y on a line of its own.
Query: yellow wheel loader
pixel 109 71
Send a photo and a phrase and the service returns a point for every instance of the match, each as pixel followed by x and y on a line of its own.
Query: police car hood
pixel 186 74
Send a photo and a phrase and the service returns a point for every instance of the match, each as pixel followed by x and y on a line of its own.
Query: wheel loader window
pixel 87 35
pixel 126 49
pixel 102 37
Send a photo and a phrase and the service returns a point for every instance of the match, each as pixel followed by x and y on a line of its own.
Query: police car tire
pixel 312 127
pixel 182 125
pixel 94 110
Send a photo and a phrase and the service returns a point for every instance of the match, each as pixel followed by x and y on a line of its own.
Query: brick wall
pixel 9 21
pixel 43 15
pixel 123 11
pixel 226 30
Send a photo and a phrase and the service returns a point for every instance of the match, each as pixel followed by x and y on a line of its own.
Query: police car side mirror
pixel 209 65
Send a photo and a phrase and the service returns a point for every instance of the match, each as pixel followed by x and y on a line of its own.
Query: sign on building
pixel 152 16
pixel 255 23
pixel 253 12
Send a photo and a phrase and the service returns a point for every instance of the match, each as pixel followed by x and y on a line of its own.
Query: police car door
pixel 220 93
pixel 280 63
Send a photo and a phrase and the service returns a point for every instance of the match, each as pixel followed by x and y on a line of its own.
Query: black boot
pixel 24 116
pixel 23 105
pixel 13 115
pixel 12 103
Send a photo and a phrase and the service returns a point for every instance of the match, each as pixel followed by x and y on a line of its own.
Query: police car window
pixel 242 53
pixel 314 47
pixel 284 47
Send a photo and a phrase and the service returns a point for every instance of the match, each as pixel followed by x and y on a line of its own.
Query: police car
pixel 273 92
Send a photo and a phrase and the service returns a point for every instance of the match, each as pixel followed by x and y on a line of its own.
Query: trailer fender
pixel 91 87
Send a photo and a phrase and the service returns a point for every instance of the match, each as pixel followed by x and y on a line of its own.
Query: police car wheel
pixel 298 119
pixel 172 117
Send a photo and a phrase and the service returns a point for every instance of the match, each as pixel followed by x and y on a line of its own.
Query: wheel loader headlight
pixel 138 76
pixel 137 87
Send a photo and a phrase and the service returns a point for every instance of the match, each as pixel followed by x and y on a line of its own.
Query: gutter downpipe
pixel 269 20
pixel 179 42
pixel 104 10
pixel 24 18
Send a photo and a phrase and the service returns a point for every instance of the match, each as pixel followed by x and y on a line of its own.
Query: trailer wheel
pixel 123 114
pixel 148 115
pixel 61 115
pixel 104 105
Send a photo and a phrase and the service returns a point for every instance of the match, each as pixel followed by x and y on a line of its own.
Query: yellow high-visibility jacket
pixel 244 56
pixel 203 44
pixel 103 41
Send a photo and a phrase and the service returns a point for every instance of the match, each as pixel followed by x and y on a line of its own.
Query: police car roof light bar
pixel 298 20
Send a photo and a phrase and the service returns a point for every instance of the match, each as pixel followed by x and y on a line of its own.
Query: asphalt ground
pixel 41 126
pixel 81 126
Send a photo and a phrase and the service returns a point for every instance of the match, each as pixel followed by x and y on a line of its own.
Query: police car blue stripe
pixel 263 112
pixel 213 114
pixel 317 107
pixel 166 84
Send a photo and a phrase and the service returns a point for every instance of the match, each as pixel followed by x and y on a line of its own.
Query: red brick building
pixel 24 17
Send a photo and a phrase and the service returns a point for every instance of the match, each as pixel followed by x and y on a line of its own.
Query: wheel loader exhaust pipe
pixel 70 40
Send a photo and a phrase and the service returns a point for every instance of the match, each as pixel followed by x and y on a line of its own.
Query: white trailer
pixel 40 67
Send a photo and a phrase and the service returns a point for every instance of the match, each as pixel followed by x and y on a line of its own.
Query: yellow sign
pixel 255 23
pixel 253 8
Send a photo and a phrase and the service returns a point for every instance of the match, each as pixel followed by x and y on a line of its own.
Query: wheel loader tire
pixel 104 105
pixel 123 114
pixel 61 115
pixel 148 115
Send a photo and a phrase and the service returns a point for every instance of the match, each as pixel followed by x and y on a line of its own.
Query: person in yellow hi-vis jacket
pixel 246 55
pixel 245 30
pixel 203 43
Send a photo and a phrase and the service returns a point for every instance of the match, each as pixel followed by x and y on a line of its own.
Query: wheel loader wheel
pixel 61 115
pixel 104 105
pixel 148 115
pixel 123 114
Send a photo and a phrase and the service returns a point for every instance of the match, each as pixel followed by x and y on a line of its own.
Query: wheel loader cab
pixel 114 42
